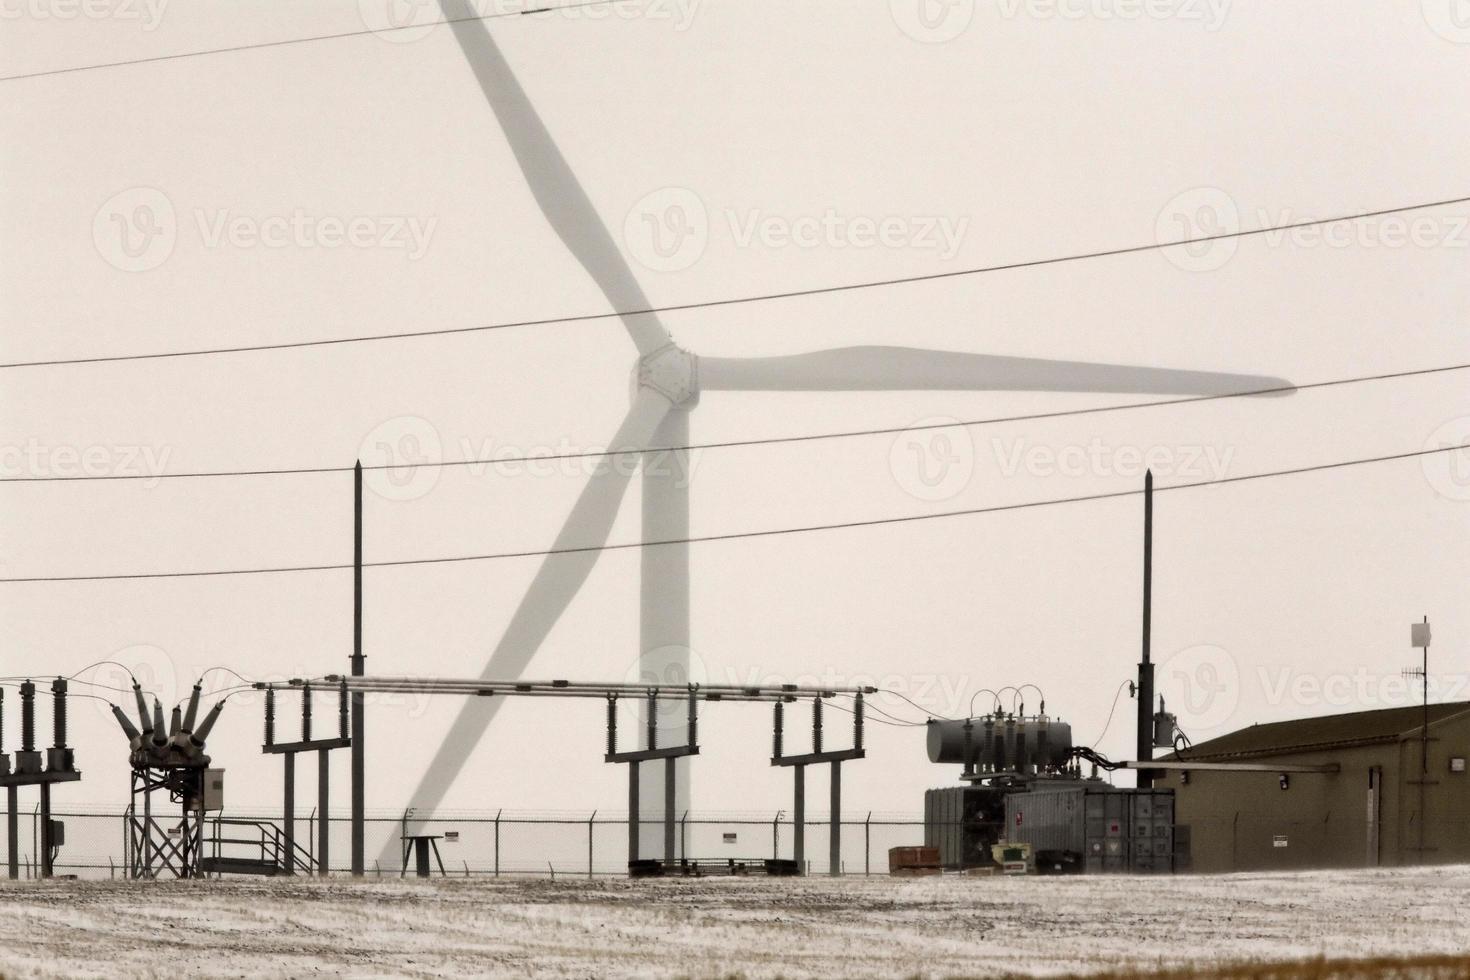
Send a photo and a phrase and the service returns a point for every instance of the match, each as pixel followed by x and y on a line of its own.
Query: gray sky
pixel 1034 131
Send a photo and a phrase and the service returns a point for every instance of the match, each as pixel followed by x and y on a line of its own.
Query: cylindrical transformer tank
pixel 1025 744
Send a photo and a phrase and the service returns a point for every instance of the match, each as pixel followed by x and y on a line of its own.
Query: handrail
pixel 271 842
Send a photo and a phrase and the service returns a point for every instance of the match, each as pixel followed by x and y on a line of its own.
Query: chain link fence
pixel 501 842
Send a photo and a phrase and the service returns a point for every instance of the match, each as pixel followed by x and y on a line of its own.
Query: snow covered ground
pixel 752 927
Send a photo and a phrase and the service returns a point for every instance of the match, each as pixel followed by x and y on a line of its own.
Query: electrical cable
pixel 746 535
pixel 301 40
pixel 905 697
pixel 735 443
pixel 879 721
pixel 983 690
pixel 742 300
pixel 872 706
pixel 1108 724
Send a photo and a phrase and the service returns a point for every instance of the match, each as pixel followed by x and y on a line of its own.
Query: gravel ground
pixel 750 927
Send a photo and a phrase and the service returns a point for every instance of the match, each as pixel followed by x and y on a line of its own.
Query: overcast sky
pixel 361 186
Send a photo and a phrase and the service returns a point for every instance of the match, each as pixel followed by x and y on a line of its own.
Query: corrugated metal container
pixel 1047 818
pixel 1105 828
pixel 962 822
pixel 1070 825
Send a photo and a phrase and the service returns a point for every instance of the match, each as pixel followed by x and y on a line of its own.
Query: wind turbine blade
pixel 556 582
pixel 551 180
pixel 911 369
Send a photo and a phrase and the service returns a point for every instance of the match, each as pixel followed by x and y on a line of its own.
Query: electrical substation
pixel 167 760
pixel 29 769
pixel 1029 798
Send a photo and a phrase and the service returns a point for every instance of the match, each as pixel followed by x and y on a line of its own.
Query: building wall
pixel 1236 819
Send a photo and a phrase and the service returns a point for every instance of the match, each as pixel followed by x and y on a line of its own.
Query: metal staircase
pixel 263 844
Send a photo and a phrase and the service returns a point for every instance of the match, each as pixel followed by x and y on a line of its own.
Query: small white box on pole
pixel 1419 635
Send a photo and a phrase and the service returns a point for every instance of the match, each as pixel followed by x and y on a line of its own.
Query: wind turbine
pixel 669 382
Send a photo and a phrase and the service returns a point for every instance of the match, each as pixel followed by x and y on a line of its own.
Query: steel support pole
pixel 324 828
pixel 12 830
pixel 45 830
pixel 147 828
pixel 632 812
pixel 288 818
pixel 834 849
pixel 670 783
pixel 663 632
pixel 1145 746
pixel 359 666
pixel 798 821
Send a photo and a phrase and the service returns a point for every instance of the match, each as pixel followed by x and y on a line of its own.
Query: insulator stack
pixel 612 725
pixel 129 730
pixel 192 714
pixel 28 717
pixel 776 732
pixel 58 712
pixel 857 722
pixel 652 720
pixel 270 716
pixel 693 738
pixel 160 734
pixel 306 712
pixel 207 724
pixel 816 724
pixel 145 720
pixel 342 703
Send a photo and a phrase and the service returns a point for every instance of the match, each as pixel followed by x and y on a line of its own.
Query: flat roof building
pixel 1381 805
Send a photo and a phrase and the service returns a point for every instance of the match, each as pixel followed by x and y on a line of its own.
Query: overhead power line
pixel 741 535
pixel 541 9
pixel 734 443
pixel 740 300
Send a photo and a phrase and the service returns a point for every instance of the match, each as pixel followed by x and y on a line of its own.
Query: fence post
pixel 403 833
pixel 590 820
pixel 867 844
pixel 497 843
pixel 683 838
pixel 776 836
pixel 553 870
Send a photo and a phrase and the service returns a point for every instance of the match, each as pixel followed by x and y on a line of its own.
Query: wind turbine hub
pixel 672 372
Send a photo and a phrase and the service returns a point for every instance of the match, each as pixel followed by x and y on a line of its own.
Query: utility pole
pixel 1419 637
pixel 1145 666
pixel 358 666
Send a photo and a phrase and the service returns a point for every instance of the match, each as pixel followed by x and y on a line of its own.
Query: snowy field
pixel 721 927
